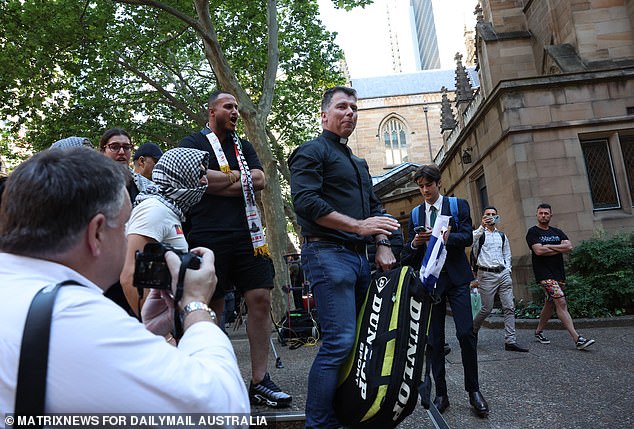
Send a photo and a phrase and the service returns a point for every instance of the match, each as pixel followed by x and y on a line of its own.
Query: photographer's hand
pixel 158 312
pixel 199 284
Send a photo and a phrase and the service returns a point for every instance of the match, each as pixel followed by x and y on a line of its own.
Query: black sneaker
pixel 541 338
pixel 266 392
pixel 583 343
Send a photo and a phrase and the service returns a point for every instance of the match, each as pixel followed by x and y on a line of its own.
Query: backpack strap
pixel 30 392
pixel 453 207
pixel 417 216
pixel 475 250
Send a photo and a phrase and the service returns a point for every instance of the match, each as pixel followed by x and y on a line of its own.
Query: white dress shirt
pixel 103 361
pixel 438 205
pixel 493 253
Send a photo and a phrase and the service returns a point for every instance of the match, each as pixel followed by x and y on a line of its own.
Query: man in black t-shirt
pixel 548 244
pixel 219 222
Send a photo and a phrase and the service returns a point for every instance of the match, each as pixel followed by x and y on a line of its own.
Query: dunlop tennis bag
pixel 378 384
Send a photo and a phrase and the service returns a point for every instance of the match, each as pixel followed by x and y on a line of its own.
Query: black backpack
pixel 378 385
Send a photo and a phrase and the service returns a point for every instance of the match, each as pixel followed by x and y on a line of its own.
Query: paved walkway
pixel 552 386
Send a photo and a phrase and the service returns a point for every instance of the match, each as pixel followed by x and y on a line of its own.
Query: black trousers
pixel 460 302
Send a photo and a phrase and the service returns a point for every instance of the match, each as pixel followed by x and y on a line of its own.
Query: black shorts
pixel 236 264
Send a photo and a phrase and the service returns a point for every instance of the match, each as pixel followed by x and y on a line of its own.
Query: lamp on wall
pixel 466 155
pixel 431 155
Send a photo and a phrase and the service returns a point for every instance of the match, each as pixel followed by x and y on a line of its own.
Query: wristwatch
pixel 196 306
pixel 384 242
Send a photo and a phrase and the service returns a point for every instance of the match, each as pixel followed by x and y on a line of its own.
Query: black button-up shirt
pixel 327 177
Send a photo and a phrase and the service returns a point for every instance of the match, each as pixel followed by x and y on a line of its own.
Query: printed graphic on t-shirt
pixel 550 239
pixel 179 229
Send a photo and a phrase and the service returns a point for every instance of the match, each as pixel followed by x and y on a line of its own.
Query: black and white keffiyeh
pixel 70 142
pixel 177 179
pixel 144 185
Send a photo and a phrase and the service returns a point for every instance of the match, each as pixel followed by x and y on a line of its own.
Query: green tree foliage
pixel 600 280
pixel 71 67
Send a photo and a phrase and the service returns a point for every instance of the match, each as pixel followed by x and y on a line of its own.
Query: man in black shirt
pixel 219 222
pixel 548 244
pixel 337 210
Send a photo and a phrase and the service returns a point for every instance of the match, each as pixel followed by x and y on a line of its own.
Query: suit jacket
pixel 460 237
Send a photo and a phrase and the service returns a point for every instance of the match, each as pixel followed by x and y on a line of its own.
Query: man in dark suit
pixel 452 285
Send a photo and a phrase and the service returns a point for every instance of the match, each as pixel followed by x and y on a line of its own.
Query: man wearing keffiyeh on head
pixel 180 176
pixel 227 221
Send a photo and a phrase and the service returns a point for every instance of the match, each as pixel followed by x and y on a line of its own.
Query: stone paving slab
pixel 552 386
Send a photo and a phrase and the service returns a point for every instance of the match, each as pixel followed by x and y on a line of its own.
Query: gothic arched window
pixel 395 140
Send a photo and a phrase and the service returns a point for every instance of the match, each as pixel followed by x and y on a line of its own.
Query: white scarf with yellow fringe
pixel 254 221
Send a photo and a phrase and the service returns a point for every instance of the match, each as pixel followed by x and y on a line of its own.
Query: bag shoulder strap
pixel 503 238
pixel 30 393
pixel 483 236
pixel 453 208
pixel 416 215
pixel 475 253
pixel 475 250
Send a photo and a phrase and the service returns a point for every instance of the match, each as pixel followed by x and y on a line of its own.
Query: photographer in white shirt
pixel 63 217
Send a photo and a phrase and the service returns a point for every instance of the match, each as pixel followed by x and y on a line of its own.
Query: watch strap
pixel 384 242
pixel 197 306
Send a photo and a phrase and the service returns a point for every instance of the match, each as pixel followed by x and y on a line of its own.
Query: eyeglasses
pixel 116 147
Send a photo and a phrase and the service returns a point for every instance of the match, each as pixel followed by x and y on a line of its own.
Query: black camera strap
pixel 30 391
pixel 178 323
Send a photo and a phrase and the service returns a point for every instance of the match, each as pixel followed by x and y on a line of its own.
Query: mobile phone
pixel 419 229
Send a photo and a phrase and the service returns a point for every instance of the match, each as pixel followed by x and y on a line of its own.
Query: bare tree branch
pixel 167 8
pixel 181 82
pixel 162 42
pixel 213 51
pixel 121 103
pixel 147 79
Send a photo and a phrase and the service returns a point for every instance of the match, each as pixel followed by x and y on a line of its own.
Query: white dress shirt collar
pixel 42 270
pixel 437 204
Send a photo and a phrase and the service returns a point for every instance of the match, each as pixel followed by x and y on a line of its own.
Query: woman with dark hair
pixel 116 144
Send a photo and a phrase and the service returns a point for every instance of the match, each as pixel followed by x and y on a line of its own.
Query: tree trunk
pixel 254 118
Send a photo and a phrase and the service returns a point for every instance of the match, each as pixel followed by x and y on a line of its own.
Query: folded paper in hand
pixel 435 255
